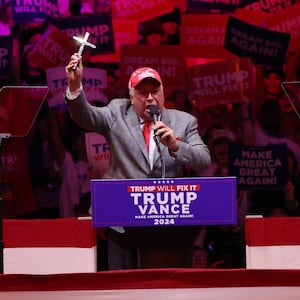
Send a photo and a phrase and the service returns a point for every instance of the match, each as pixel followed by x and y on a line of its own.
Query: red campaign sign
pixel 203 36
pixel 222 82
pixel 270 7
pixel 169 61
pixel 53 49
pixel 140 10
pixel 253 17
pixel 287 21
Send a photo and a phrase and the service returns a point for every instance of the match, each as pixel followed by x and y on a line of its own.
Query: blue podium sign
pixel 163 202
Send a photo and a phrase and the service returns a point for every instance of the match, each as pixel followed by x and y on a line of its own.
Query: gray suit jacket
pixel 120 125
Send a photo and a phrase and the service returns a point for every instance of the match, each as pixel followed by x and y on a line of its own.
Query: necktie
pixel 146 133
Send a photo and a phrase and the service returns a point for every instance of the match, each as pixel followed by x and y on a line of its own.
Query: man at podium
pixel 172 140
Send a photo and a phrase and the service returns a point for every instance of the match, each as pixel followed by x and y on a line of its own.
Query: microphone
pixel 154 112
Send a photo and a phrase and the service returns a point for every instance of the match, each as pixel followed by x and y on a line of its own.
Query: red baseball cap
pixel 140 74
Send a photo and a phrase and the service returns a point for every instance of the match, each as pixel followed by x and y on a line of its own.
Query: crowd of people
pixel 52 159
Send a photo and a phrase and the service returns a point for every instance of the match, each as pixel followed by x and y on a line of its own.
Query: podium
pixel 19 106
pixel 163 247
pixel 161 218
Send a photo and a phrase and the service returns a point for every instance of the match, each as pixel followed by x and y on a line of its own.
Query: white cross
pixel 83 42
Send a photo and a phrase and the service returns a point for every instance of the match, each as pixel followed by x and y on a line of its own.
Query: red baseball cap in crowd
pixel 140 74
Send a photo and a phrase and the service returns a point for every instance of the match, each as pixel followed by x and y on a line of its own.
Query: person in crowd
pixel 209 251
pixel 290 107
pixel 170 23
pixel 226 245
pixel 269 129
pixel 177 98
pixel 284 200
pixel 152 33
pixel 31 72
pixel 207 138
pixel 114 89
pixel 74 195
pixel 276 211
pixel 227 115
pixel 292 191
pixel 273 76
pixel 209 133
pixel 220 142
pixel 124 120
pixel 229 249
pixel 218 139
pixel 288 122
pixel 18 198
pixel 200 251
pixel 268 81
pixel 264 131
pixel 163 30
pixel 219 145
pixel 6 20
pixel 200 258
pixel 45 178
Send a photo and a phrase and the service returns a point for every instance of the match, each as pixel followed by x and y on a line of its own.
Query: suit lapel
pixel 134 128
